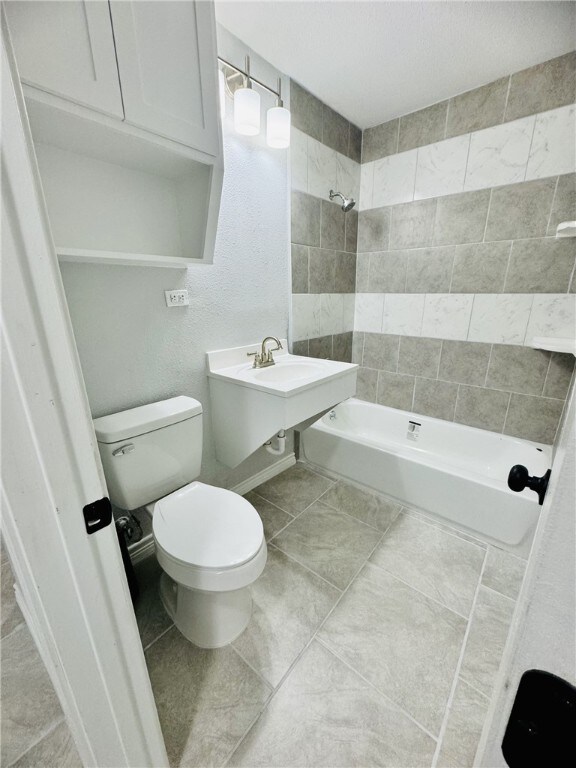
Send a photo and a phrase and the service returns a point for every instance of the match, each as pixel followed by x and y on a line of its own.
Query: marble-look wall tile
pixel 394 179
pixel 366 186
pixel 299 160
pixel 395 390
pixel 533 418
pixel 367 384
pixel 552 315
pixel 387 272
pixel 374 230
pixel 362 272
pixel 499 155
pixel 412 224
pixel 332 227
pixel 461 218
pixel 553 148
pixel 380 141
pixel 321 169
pixel 559 375
pixel 381 351
pixel 419 356
pixel 480 407
pixel 321 270
pixel 347 177
pixel 368 312
pixel 355 143
pixel 441 168
pixel 446 316
pixel 351 229
pixel 305 215
pixel 464 362
pixel 477 109
pixel 429 270
pixel 348 310
pixel 518 369
pixel 344 272
pixel 403 314
pixel 330 314
pixel 540 266
pixel 500 319
pixel 480 267
pixel 299 258
pixel 564 205
pixel 423 127
pixel 357 347
pixel 342 347
pixel 320 348
pixel 520 210
pixel 544 86
pixel 305 316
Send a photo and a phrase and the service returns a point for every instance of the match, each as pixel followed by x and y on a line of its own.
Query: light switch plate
pixel 177 298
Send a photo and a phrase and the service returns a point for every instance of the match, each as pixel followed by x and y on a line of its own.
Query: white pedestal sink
pixel 250 405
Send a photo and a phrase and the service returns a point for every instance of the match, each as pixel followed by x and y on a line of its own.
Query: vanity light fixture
pixel 239 84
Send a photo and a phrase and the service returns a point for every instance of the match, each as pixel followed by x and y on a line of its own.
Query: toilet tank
pixel 150 451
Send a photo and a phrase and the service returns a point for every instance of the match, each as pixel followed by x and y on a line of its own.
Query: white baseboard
pixel 265 474
pixel 145 547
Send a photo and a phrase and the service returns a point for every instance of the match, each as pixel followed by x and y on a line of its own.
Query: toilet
pixel 209 541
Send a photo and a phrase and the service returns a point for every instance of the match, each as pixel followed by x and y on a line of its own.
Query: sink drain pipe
pixel 280 446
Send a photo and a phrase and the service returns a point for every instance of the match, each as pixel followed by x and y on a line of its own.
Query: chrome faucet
pixel 264 358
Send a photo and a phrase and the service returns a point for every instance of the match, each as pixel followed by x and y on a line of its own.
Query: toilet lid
pixel 208 527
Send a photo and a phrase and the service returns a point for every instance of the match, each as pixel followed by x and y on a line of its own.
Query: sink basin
pixel 287 371
pixel 250 405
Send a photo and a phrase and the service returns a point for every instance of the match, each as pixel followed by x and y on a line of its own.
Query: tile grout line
pixel 159 636
pixel 40 739
pixel 552 205
pixel 546 377
pixel 450 700
pixel 306 567
pixel 506 102
pixel 473 687
pixel 508 263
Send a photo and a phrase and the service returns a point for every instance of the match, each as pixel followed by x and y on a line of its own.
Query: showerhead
pixel 347 202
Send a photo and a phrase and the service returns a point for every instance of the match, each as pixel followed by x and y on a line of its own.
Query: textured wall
pixel 325 155
pixel 135 350
pixel 458 268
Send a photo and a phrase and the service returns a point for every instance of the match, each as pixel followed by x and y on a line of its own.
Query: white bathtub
pixel 454 472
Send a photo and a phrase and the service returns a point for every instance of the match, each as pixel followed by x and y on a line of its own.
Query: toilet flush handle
pixel 128 448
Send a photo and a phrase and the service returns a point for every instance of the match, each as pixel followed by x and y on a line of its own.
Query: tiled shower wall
pixel 325 155
pixel 457 267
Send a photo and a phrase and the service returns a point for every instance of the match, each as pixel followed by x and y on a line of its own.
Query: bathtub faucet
pixel 264 358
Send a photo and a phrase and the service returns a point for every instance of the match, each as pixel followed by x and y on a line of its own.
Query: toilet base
pixel 207 619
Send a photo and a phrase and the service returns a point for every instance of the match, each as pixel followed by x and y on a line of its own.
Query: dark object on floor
pixel 125 531
pixel 542 723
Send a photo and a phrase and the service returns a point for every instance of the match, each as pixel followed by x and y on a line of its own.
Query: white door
pixel 66 47
pixel 71 584
pixel 168 68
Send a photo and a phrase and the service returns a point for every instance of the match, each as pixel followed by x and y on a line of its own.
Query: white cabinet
pixel 167 62
pixel 67 48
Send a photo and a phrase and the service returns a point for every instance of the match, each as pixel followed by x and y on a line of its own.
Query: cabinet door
pixel 167 61
pixel 67 47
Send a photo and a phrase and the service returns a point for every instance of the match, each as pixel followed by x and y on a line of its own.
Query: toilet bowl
pixel 209 541
pixel 210 545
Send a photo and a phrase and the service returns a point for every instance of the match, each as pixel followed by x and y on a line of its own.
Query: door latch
pixel 97 515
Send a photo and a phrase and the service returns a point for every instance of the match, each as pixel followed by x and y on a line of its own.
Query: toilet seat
pixel 208 538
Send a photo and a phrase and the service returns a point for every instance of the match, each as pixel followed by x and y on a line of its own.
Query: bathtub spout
pixel 280 448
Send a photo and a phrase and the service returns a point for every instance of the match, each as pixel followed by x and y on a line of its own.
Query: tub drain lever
pixel 518 479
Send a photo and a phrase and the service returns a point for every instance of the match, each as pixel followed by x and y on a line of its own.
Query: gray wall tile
pixel 465 362
pixel 520 210
pixel 335 130
pixel 367 384
pixel 380 141
pixel 306 111
pixel 355 143
pixel 332 234
pixel 419 357
pixel 430 270
pixel 387 272
pixel 559 375
pixel 305 219
pixel 477 109
pixel 480 267
pixel 482 408
pixel 320 347
pixel 351 227
pixel 395 390
pixel 423 127
pixel 322 270
pixel 533 418
pixel 381 351
pixel 461 218
pixel 412 224
pixel 517 369
pixel 300 347
pixel 362 272
pixel 357 346
pixel 542 87
pixel 540 266
pixel 344 272
pixel 564 205
pixel 374 230
pixel 299 255
pixel 342 347
pixel 435 398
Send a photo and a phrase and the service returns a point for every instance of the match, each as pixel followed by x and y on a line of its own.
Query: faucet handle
pixel 256 356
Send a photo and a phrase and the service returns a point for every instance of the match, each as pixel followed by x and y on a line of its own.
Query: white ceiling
pixel 373 60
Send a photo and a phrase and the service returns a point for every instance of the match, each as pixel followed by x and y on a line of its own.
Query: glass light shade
pixel 222 93
pixel 278 128
pixel 247 111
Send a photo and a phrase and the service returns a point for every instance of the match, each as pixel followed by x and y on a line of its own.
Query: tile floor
pixel 375 640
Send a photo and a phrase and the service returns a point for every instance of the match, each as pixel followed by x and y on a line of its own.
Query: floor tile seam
pixel 474 688
pixel 500 594
pixel 449 530
pixel 52 727
pixel 274 504
pixel 351 517
pixel 419 591
pixel 253 722
pixel 260 676
pixel 458 668
pixel 305 465
pixel 306 567
pixel 325 644
pixel 151 643
pixel 17 628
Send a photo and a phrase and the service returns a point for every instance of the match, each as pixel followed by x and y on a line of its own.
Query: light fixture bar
pixel 249 76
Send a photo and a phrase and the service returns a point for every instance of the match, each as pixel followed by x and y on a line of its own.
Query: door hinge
pixel 97 515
